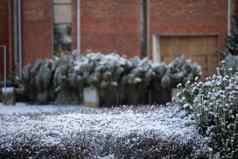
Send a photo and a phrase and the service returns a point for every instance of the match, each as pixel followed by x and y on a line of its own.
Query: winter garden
pixel 105 106
pixel 130 119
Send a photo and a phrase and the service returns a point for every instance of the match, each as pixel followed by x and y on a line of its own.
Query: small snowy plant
pixel 214 104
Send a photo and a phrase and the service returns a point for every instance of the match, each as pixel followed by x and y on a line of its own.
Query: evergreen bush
pixel 232 40
pixel 214 104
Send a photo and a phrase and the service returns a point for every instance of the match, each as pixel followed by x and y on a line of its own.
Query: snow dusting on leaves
pixel 51 125
pixel 213 103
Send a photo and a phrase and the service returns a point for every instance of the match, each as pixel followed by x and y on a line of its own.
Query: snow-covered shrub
pixel 118 80
pixel 37 80
pixel 103 72
pixel 136 82
pixel 158 94
pixel 180 71
pixel 167 77
pixel 214 104
pixel 66 82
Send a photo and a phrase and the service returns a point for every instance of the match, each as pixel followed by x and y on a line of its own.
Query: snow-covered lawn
pixel 53 124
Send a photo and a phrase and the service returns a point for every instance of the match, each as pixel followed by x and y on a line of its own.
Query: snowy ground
pixel 55 123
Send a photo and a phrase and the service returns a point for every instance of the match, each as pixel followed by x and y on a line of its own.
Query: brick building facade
pixel 167 28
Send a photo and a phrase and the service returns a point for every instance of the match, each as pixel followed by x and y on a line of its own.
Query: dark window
pixel 62 26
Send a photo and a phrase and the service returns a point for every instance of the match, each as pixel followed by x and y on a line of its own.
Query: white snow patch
pixel 7 90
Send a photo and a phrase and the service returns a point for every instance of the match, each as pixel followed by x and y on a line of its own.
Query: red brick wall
pixel 37 20
pixel 114 25
pixel 189 17
pixel 110 25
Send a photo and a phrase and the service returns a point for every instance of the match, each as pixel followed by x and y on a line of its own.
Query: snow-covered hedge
pixel 31 147
pixel 54 132
pixel 214 104
pixel 117 79
pixel 132 146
